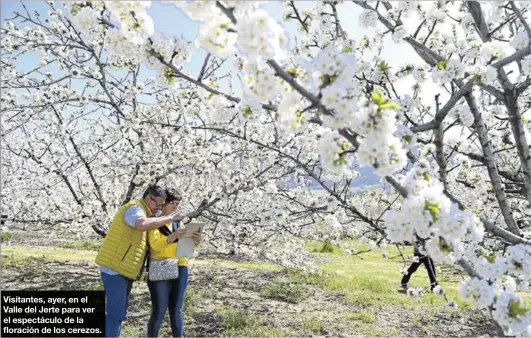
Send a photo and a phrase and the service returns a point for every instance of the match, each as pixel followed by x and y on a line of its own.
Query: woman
pixel 168 293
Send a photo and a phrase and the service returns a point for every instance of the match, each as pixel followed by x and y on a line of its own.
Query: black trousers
pixel 430 267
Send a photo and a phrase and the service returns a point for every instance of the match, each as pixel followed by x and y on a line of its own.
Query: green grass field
pixel 371 279
pixel 356 295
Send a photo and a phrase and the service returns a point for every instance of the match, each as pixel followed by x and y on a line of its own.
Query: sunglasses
pixel 159 205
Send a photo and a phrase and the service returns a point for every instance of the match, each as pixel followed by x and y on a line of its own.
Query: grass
pixel 285 292
pixel 94 287
pixel 190 298
pixel 364 316
pixel 32 266
pixel 368 282
pixel 51 253
pixel 86 251
pixel 364 323
pixel 240 324
pixel 131 331
pixel 247 265
pixel 85 245
pixel 326 247
pixel 371 280
pixel 313 327
pixel 6 236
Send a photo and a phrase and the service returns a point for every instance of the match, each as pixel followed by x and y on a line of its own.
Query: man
pixel 122 254
pixel 417 261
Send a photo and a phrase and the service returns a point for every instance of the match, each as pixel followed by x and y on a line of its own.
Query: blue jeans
pixel 168 294
pixel 117 290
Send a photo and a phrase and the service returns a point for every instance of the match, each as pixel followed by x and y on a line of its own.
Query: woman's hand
pixel 197 237
pixel 175 235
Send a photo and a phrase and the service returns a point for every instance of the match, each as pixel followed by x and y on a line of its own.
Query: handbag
pixel 164 269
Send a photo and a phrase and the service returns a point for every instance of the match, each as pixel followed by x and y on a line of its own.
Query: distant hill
pixel 366 179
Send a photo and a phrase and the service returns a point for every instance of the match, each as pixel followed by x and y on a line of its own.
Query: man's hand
pixel 176 216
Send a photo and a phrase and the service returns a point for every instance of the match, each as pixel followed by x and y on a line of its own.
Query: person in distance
pixel 419 259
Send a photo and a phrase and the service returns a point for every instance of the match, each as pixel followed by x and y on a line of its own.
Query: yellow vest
pixel 160 249
pixel 124 248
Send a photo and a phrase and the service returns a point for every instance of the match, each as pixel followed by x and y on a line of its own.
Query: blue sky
pixel 168 19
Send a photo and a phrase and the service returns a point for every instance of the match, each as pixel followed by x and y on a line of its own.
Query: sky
pixel 170 21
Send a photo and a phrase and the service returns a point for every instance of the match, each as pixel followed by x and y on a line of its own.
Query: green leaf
pixel 491 259
pixel 393 159
pixel 347 50
pixel 327 80
pixel 155 54
pixel 384 67
pixel 345 146
pixel 340 161
pixel 247 112
pixel 212 84
pixel 75 9
pixel 292 71
pixel 445 248
pixel 434 209
pixel 382 102
pixel 426 176
pixel 389 105
pixel 515 309
pixel 377 98
pixel 168 75
pixel 442 64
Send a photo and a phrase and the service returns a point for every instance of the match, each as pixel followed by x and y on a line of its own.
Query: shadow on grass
pixel 40 273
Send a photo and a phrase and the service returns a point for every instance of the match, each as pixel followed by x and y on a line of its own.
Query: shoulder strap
pixel 148 259
pixel 164 230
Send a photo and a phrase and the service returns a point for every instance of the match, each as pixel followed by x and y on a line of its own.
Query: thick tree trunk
pixel 492 167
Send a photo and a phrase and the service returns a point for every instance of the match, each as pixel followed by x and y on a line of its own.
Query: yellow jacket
pixel 160 249
pixel 124 248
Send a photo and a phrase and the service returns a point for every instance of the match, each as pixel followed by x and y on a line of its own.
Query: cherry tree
pixel 86 131
pixel 447 130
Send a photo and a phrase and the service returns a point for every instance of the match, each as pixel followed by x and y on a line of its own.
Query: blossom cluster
pixel 426 214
